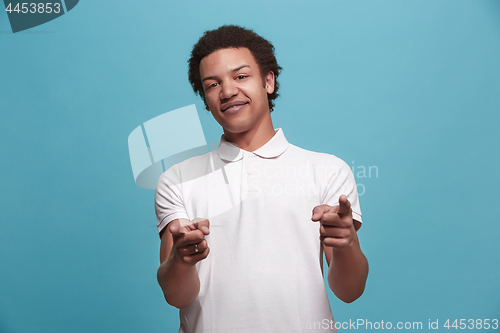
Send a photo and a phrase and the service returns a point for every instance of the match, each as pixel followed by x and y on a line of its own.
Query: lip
pixel 236 105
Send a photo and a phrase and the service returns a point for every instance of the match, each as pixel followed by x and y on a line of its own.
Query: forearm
pixel 179 282
pixel 348 272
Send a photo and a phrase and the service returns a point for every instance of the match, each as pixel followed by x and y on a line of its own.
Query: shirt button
pixel 249 173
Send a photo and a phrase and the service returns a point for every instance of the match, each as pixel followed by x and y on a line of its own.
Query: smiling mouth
pixel 233 106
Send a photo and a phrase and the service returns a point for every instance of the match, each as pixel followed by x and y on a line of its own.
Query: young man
pixel 240 249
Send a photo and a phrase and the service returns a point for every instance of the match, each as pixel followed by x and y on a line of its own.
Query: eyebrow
pixel 231 71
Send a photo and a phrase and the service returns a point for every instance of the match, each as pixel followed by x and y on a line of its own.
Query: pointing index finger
pixel 345 206
pixel 175 228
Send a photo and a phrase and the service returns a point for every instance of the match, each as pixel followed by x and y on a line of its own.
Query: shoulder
pixel 191 168
pixel 189 163
pixel 317 158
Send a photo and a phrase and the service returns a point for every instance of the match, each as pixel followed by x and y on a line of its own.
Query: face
pixel 235 92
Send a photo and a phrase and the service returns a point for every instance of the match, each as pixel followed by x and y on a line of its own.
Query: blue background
pixel 410 87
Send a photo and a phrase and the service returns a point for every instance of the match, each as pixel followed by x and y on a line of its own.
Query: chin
pixel 236 128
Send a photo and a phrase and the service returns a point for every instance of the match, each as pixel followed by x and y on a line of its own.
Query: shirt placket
pixel 251 172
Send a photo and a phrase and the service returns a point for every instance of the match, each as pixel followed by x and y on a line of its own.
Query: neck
pixel 254 138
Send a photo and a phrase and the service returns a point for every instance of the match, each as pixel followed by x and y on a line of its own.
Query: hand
pixel 336 224
pixel 190 245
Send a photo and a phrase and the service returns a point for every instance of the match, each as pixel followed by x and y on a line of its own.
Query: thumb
pixel 318 212
pixel 202 224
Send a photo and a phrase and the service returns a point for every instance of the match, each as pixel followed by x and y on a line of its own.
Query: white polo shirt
pixel 264 270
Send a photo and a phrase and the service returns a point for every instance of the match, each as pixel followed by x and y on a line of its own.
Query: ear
pixel 269 82
pixel 205 101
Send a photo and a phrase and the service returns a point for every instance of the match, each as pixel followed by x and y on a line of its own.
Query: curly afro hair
pixel 228 36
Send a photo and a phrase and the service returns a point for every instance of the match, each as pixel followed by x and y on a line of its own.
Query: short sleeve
pixel 168 199
pixel 338 180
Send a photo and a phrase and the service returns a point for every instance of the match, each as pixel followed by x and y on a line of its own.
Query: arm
pixel 348 267
pixel 177 275
pixel 348 271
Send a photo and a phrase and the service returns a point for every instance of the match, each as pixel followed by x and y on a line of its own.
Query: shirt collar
pixel 230 152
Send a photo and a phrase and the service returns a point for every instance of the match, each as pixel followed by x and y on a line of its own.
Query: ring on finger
pixel 196 248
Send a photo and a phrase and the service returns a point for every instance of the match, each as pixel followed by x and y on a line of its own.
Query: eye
pixel 241 77
pixel 211 85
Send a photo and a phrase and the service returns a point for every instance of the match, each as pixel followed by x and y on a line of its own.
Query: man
pixel 239 252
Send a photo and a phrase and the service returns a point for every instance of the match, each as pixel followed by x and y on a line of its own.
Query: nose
pixel 228 89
